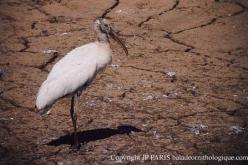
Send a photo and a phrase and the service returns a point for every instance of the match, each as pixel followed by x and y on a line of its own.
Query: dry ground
pixel 181 91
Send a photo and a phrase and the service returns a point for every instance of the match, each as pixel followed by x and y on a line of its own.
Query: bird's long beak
pixel 116 38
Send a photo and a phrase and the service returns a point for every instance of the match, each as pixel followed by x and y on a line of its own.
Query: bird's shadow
pixel 94 134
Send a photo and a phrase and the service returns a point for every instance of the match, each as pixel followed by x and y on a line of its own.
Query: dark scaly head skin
pixel 104 26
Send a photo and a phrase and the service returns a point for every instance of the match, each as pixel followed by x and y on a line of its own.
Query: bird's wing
pixel 71 73
pixel 53 89
pixel 84 55
pixel 78 56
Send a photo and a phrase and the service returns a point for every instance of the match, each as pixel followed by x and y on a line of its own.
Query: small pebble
pixel 197 129
pixel 115 65
pixel 236 129
pixel 171 74
pixel 50 51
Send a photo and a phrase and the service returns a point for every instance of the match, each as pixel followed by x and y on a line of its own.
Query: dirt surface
pixel 181 91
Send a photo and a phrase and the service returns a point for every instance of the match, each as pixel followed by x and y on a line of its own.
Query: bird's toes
pixel 80 148
pixel 75 147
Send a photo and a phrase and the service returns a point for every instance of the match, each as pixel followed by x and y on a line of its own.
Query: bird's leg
pixel 74 120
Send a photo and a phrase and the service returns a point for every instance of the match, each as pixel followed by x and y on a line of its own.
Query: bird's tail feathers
pixel 44 111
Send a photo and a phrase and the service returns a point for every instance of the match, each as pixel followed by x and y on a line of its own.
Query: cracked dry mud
pixel 187 70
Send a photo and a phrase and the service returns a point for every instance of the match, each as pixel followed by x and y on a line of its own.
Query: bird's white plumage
pixel 73 71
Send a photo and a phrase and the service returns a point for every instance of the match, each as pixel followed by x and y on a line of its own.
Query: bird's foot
pixel 76 147
pixel 79 148
pixel 83 149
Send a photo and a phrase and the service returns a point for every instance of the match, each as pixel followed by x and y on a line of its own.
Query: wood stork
pixel 75 71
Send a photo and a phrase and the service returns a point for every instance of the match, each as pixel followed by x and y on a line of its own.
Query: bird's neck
pixel 101 37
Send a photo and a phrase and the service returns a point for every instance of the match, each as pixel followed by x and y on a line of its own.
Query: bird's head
pixel 104 25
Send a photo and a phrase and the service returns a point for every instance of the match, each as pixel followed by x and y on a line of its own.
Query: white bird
pixel 75 71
